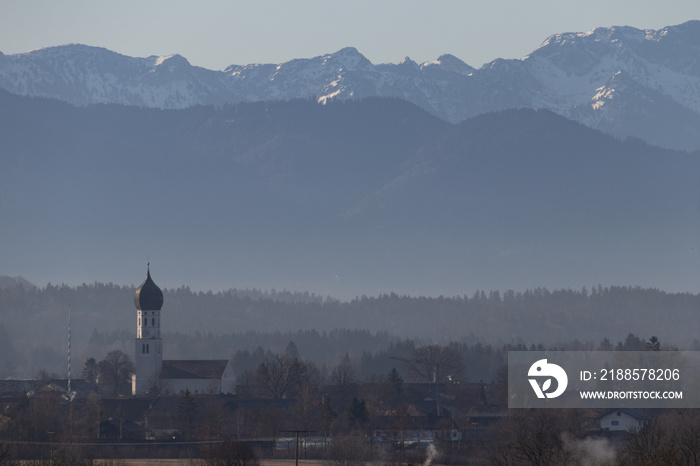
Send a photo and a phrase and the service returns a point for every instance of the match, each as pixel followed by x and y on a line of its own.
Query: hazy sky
pixel 218 33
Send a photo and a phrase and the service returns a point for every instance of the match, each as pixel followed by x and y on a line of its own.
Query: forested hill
pixel 205 324
pixel 344 199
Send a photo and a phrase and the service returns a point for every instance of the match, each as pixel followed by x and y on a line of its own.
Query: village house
pixel 626 419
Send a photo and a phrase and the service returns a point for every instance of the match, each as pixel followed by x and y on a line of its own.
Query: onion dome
pixel 148 296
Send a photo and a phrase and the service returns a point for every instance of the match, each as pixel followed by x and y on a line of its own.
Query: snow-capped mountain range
pixel 622 80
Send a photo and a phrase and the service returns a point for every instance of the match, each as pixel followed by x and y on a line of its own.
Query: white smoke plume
pixel 430 454
pixel 591 451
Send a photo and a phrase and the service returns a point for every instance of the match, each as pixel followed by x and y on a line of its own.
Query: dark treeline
pixel 34 328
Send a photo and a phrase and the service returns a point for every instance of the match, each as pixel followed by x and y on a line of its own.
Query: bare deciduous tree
pixel 689 437
pixel 280 376
pixel 648 445
pixel 536 437
pixel 434 363
pixel 115 373
pixel 672 438
pixel 343 377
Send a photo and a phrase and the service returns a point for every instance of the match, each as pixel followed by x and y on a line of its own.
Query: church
pixel 153 374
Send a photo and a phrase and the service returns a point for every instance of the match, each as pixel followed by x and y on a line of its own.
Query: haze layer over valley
pixel 346 199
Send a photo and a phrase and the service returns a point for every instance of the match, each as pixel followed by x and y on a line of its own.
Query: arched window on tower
pixel 153 321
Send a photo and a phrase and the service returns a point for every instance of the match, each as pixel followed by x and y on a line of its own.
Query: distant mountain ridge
pixel 621 80
pixel 344 199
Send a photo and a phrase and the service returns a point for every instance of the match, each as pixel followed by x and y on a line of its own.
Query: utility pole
pixel 296 451
pixel 476 442
pixel 51 444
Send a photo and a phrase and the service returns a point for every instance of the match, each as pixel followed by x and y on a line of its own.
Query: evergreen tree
pixel 187 415
pixel 357 413
pixel 90 370
pixel 395 386
pixel 291 350
pixel 653 344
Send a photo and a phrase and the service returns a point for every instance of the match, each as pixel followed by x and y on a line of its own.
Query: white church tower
pixel 148 354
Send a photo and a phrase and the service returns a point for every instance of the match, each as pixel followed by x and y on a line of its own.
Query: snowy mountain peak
pixel 84 56
pixel 348 57
pixel 348 52
pixel 600 34
pixel 686 34
pixel 450 63
pixel 573 74
pixel 172 61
